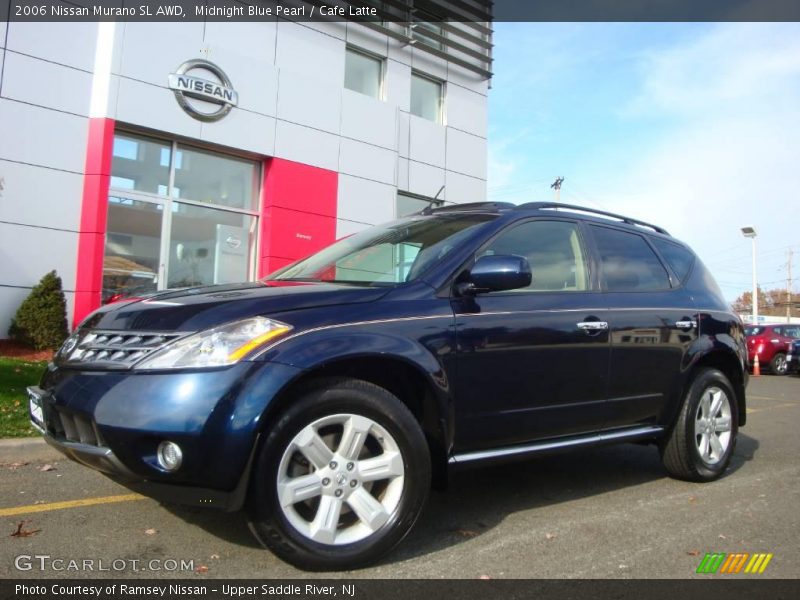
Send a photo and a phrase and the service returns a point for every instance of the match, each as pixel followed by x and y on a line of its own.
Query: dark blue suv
pixel 329 397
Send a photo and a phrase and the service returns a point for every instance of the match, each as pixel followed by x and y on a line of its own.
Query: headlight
pixel 223 345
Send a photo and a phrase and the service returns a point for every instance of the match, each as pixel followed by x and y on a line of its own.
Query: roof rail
pixel 495 206
pixel 594 211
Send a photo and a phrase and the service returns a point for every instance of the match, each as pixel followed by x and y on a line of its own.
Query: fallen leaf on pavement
pixel 48 467
pixel 550 536
pixel 692 499
pixel 722 537
pixel 201 569
pixel 693 553
pixel 215 557
pixel 467 533
pixel 20 532
pixel 150 531
pixel 484 577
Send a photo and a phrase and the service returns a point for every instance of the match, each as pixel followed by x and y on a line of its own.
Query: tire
pixel 778 364
pixel 312 469
pixel 690 452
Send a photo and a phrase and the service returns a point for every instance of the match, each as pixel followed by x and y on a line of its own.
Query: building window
pixel 177 217
pixel 363 73
pixel 408 204
pixel 426 97
pixel 427 28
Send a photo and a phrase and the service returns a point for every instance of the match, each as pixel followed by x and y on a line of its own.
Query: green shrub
pixel 41 321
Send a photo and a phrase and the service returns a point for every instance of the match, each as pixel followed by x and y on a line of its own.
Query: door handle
pixel 685 324
pixel 593 325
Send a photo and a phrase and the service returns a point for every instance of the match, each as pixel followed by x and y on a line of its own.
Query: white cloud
pixel 732 156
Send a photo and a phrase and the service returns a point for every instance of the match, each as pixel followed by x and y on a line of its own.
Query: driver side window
pixel 553 250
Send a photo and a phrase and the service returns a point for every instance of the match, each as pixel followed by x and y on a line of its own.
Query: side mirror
pixel 496 273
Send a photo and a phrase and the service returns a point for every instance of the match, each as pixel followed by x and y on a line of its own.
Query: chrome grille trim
pixel 114 349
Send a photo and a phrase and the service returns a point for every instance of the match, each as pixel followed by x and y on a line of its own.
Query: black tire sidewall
pixel 706 379
pixel 267 520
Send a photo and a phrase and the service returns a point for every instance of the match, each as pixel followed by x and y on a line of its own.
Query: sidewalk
pixel 33 449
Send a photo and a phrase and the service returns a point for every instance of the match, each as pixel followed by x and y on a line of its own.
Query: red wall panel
pixel 94 212
pixel 298 214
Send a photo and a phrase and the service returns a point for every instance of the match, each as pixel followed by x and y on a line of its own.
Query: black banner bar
pixel 401 11
pixel 199 588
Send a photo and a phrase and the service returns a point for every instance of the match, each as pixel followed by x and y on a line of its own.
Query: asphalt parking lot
pixel 606 512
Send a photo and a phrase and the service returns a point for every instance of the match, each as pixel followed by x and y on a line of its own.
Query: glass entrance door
pixel 177 217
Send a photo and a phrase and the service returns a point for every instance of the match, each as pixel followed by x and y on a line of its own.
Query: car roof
pixel 583 212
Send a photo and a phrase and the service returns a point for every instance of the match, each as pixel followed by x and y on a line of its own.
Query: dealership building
pixel 137 157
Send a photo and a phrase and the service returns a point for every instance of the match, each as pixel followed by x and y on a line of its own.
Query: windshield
pixel 387 254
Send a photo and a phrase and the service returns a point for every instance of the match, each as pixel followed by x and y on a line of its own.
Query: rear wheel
pixel 778 364
pixel 341 478
pixel 701 443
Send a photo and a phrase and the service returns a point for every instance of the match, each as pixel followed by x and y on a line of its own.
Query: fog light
pixel 169 456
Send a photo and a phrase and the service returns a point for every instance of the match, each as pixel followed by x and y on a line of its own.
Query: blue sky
pixel 695 127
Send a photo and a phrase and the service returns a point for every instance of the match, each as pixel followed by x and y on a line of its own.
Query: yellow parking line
pixel 753 397
pixel 35 508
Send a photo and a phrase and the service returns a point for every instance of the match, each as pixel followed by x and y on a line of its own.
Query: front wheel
pixel 341 478
pixel 778 364
pixel 701 443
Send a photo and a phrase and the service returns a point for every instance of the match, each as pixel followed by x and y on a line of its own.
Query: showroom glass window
pixel 426 97
pixel 363 73
pixel 177 216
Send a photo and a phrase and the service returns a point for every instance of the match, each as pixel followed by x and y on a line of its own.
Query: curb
pixel 33 449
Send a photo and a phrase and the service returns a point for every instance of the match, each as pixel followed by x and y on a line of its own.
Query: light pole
pixel 750 232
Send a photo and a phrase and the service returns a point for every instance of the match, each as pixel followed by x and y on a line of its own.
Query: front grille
pixel 113 349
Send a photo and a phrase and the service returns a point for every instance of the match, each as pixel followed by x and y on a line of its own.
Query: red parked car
pixel 771 343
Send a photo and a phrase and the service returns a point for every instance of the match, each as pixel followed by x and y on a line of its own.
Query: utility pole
pixel 556 185
pixel 789 288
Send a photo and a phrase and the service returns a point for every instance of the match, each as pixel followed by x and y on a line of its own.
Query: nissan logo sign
pixel 203 98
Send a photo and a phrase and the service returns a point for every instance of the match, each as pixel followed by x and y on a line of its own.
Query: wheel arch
pixel 728 363
pixel 411 383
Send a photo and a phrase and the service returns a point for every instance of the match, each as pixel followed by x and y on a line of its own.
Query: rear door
pixel 653 322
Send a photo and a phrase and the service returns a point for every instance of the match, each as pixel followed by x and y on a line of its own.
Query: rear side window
pixel 678 257
pixel 629 264
pixel 792 331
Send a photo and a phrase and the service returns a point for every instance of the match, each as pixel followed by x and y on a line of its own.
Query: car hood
pixel 199 308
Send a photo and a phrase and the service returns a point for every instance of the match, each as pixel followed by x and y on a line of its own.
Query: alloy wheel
pixel 712 426
pixel 340 479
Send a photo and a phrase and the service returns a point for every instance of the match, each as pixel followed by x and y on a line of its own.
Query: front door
pixel 533 362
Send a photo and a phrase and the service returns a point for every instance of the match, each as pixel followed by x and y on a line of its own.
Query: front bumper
pixel 112 422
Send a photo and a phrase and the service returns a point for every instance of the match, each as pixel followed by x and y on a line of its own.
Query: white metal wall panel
pixel 242 130
pixel 307 101
pixel 66 89
pixel 153 106
pixel 39 136
pixel 367 161
pixel 426 180
pixel 426 141
pixel 365 201
pixel 369 120
pixel 64 43
pixel 367 39
pixel 306 145
pixel 24 266
pixel 39 196
pixel 466 153
pixel 151 51
pixel 461 188
pixel 466 110
pixel 398 84
pixel 316 55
